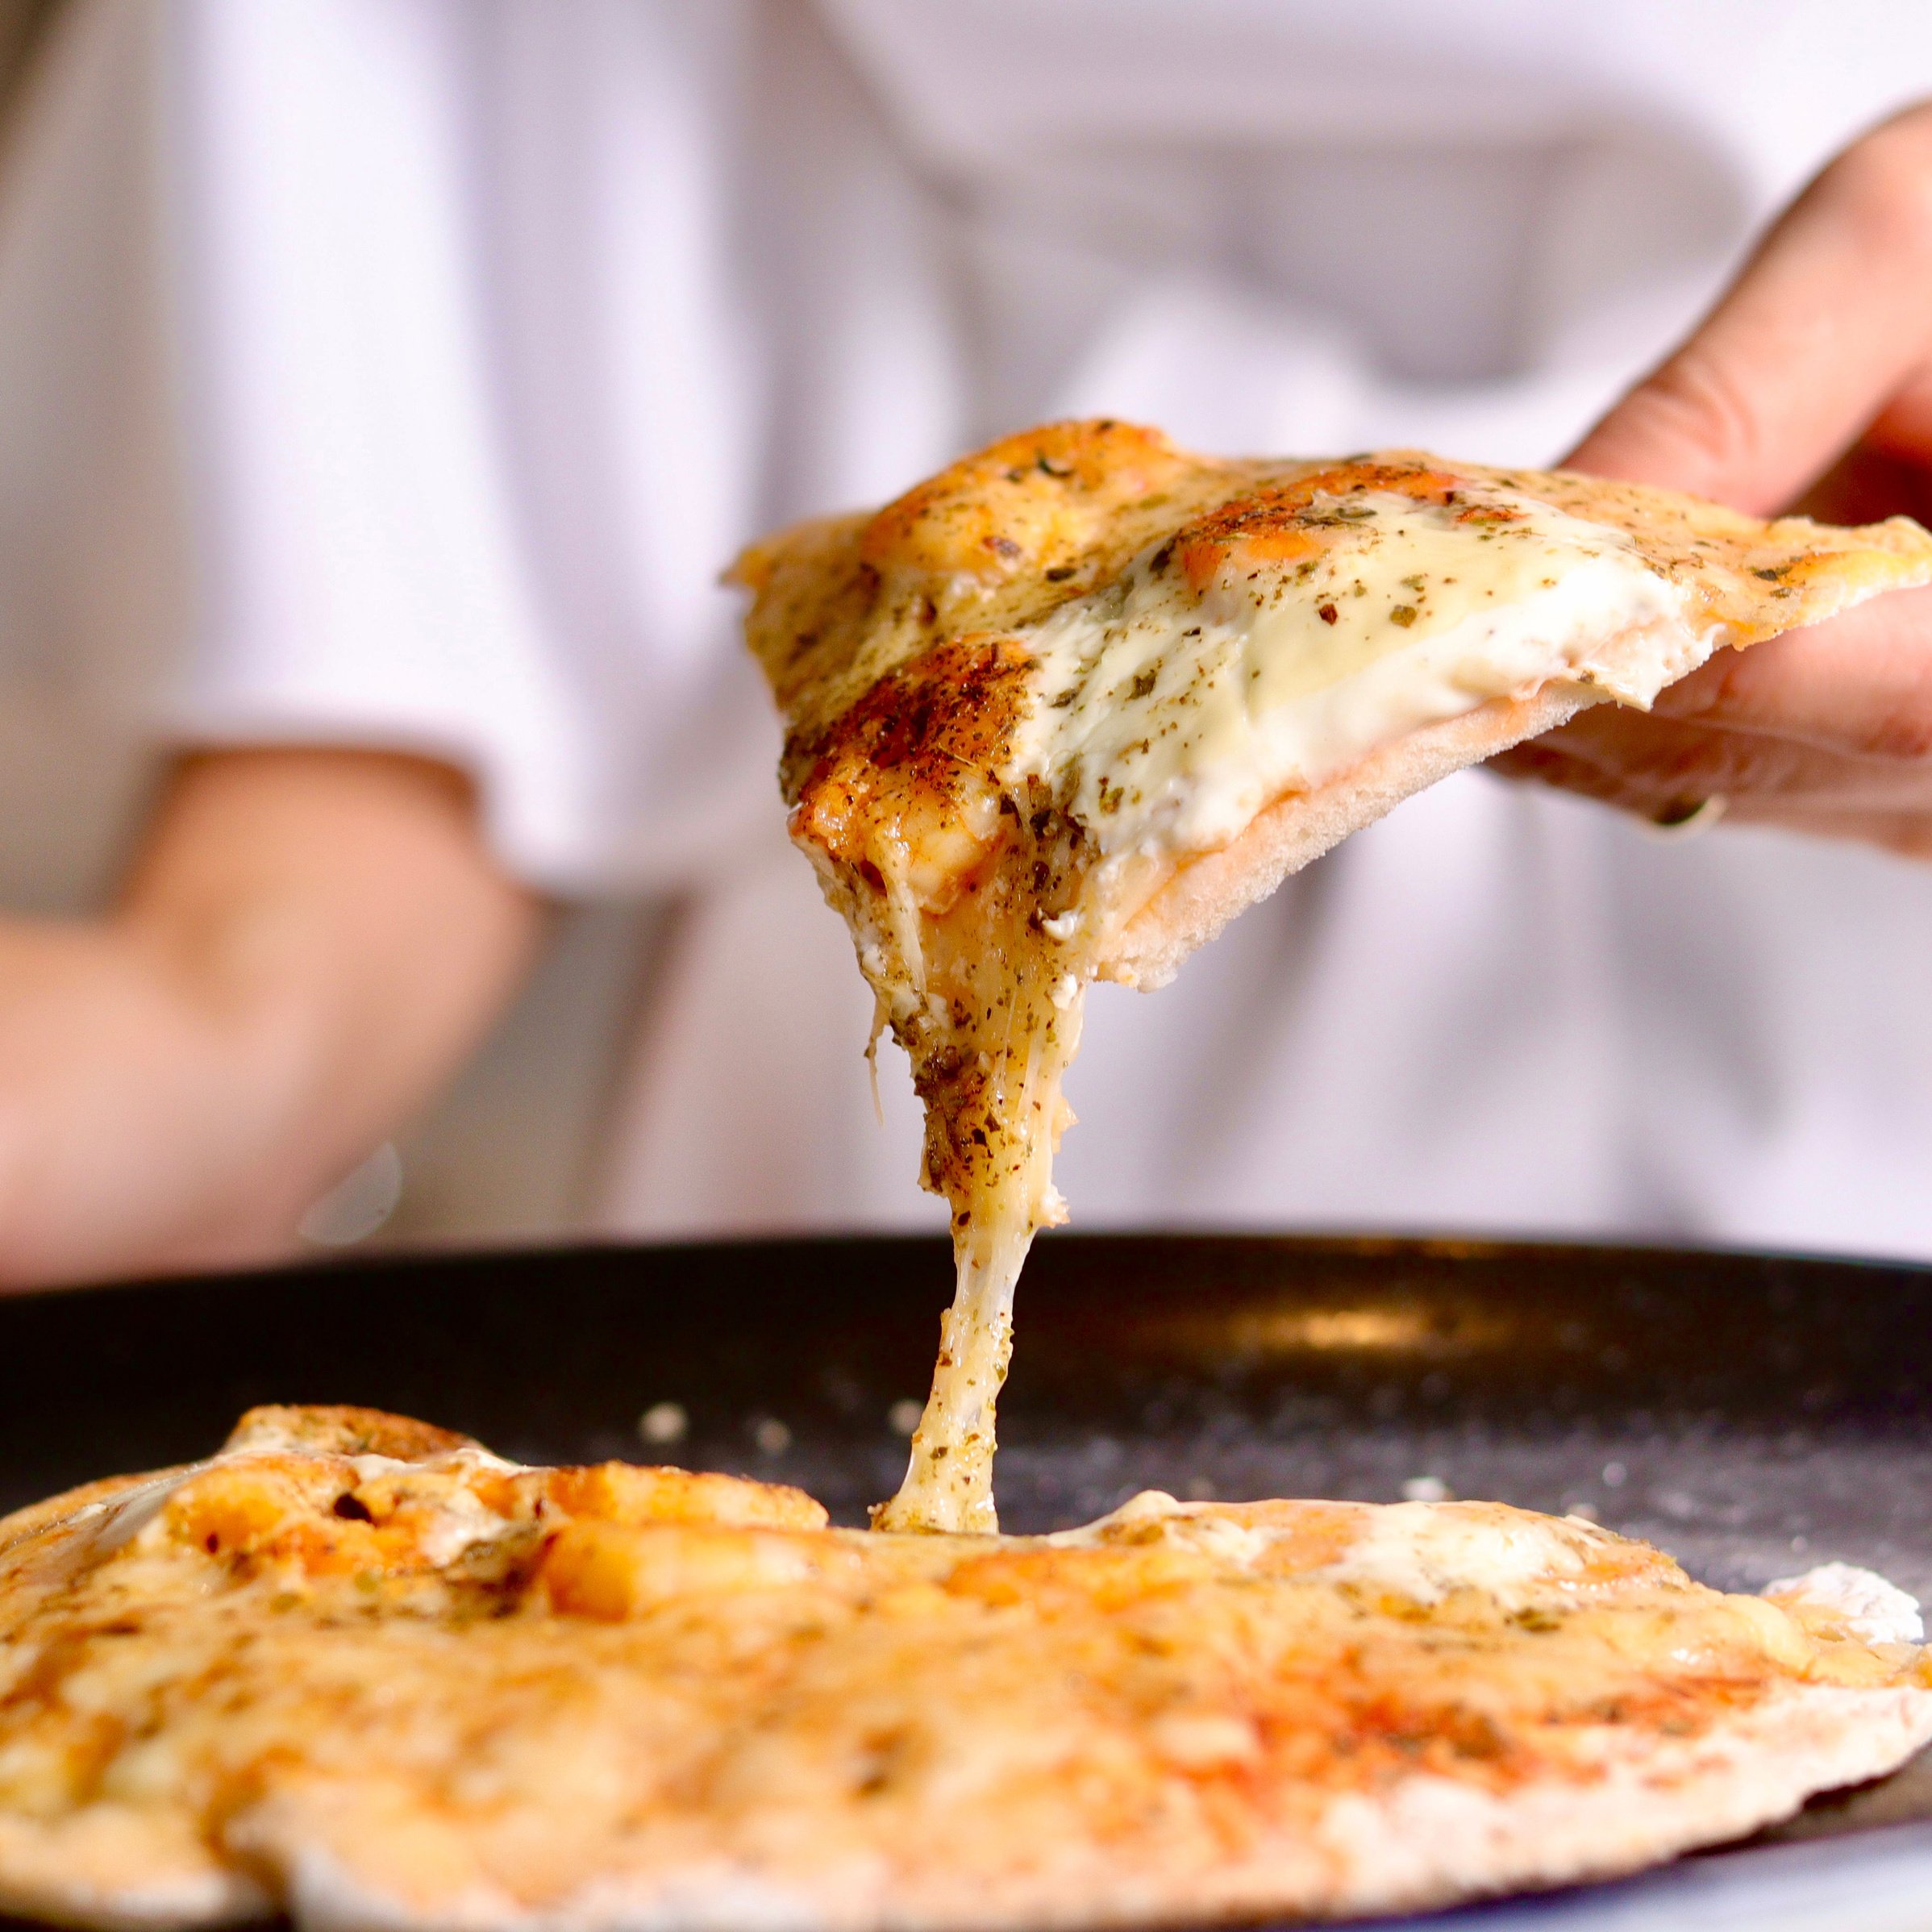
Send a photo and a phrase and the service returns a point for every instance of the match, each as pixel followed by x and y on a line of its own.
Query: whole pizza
pixel 362 1670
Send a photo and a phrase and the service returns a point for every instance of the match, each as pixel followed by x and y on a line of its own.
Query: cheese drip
pixel 1163 715
pixel 991 1017
pixel 1158 716
pixel 1063 710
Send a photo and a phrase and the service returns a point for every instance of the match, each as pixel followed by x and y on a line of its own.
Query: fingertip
pixel 1822 329
pixel 1688 426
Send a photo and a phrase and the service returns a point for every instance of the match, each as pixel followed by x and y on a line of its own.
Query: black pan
pixel 1754 1415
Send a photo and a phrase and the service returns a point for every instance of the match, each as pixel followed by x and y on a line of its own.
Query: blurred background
pixel 401 374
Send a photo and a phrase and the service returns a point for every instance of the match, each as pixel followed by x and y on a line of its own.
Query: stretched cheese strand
pixel 1163 715
pixel 999 1180
pixel 992 1021
pixel 1027 695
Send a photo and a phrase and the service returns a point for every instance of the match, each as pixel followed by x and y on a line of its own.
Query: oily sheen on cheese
pixel 1171 714
pixel 361 1672
pixel 1061 711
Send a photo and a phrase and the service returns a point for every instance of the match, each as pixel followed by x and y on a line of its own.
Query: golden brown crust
pixel 336 1430
pixel 995 541
pixel 449 1690
pixel 1028 507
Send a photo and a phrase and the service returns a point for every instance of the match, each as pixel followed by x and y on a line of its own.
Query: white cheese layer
pixel 1422 1551
pixel 1169 718
pixel 1154 1510
pixel 1870 1605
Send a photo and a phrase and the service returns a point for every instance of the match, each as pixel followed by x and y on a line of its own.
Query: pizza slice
pixel 1062 711
pixel 364 1673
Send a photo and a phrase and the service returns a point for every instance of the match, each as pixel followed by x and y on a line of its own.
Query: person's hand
pixel 1809 387
pixel 310 942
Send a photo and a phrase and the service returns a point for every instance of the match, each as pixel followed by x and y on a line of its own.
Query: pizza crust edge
pixel 1427 1843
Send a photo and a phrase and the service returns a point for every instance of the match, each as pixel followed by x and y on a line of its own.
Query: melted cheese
pixel 1170 716
pixel 1031 704
pixel 1869 1606
pixel 1420 1552
pixel 1416 1554
pixel 630 1696
pixel 1152 1515
pixel 1165 713
pixel 1007 1016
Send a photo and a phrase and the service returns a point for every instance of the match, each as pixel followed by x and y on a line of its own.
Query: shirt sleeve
pixel 268 487
pixel 363 573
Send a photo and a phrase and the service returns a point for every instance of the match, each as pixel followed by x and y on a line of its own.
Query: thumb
pixel 1827 329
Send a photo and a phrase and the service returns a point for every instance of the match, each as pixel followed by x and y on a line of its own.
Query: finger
pixel 1826 332
pixel 1644 791
pixel 1908 834
pixel 1860 685
pixel 1666 771
pixel 1663 768
pixel 1868 484
pixel 1904 827
pixel 1542 761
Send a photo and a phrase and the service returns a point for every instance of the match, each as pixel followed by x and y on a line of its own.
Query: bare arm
pixel 1809 385
pixel 308 945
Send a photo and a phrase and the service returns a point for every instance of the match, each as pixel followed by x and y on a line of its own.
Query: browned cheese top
pixel 999 542
pixel 361 1650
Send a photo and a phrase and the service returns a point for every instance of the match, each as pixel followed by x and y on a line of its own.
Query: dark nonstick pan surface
pixel 1754 1415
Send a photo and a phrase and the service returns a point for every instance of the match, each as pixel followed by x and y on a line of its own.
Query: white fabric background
pixel 403 371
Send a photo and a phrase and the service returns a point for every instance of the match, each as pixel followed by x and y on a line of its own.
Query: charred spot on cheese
pixel 1286 522
pixel 902 783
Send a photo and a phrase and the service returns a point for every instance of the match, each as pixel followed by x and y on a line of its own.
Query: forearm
pixel 309 944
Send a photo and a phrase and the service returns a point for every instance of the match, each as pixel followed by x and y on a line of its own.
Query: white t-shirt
pixel 403 371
